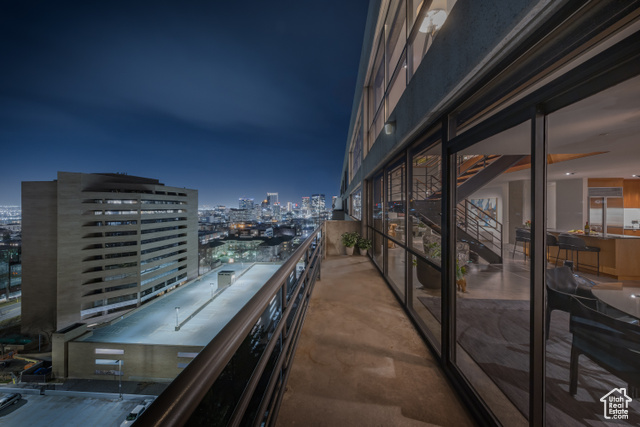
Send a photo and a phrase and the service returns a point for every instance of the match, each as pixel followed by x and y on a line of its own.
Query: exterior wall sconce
pixel 389 127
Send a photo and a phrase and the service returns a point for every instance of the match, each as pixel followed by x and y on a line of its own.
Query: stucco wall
pixel 334 230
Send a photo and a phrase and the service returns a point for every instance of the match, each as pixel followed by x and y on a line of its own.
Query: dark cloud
pixel 253 94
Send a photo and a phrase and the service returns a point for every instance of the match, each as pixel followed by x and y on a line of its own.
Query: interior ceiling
pixel 608 121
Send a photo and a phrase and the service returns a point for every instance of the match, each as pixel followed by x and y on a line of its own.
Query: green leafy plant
pixel 364 244
pixel 461 270
pixel 350 239
pixel 434 250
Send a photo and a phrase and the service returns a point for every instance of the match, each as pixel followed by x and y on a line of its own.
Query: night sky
pixel 230 98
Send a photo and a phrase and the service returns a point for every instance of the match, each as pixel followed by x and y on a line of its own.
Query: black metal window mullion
pixel 537 346
pixel 448 243
pixel 385 232
pixel 408 172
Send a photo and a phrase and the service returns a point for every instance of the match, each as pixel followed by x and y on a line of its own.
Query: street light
pixel 177 321
pixel 120 378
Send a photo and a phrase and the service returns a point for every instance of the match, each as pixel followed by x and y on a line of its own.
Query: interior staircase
pixel 474 226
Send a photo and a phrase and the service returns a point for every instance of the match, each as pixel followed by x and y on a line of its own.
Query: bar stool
pixel 579 245
pixel 551 241
pixel 564 243
pixel 522 235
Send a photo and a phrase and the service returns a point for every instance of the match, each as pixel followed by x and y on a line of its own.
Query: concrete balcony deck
pixel 361 362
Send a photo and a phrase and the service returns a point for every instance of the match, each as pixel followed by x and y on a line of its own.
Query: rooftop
pixel 154 323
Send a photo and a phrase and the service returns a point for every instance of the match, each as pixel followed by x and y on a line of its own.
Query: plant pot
pixel 348 250
pixel 428 275
pixel 462 284
pixel 363 252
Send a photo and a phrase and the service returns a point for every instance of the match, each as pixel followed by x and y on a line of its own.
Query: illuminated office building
pixel 98 245
pixel 305 208
pixel 245 203
pixel 272 198
pixel 317 203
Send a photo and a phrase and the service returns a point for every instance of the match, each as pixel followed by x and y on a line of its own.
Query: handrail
pixel 180 399
pixel 471 219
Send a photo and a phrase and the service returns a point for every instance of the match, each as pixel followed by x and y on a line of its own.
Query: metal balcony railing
pixel 238 378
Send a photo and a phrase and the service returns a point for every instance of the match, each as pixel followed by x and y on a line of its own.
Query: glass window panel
pixel 398 86
pixel 377 80
pixel 356 204
pixel 414 8
pixel 425 282
pixel 591 178
pixel 426 202
pixel 396 31
pixel 377 203
pixel 429 25
pixel 395 213
pixel 356 151
pixel 424 219
pixel 493 284
pixel 378 249
pixel 396 268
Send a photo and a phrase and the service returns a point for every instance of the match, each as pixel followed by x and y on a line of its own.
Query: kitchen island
pixel 619 255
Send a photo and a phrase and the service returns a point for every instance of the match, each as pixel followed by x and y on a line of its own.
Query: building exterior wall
pixel 119 241
pixel 499 79
pixel 39 219
pixel 158 363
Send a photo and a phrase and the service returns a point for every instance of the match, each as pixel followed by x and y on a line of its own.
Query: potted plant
pixel 349 240
pixel 363 245
pixel 461 281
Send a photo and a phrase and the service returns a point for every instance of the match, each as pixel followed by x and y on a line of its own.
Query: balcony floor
pixel 361 362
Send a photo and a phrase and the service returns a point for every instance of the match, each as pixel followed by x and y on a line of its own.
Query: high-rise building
pixel 306 206
pixel 245 203
pixel 272 198
pixel 277 213
pixel 317 203
pixel 97 245
pixel 240 215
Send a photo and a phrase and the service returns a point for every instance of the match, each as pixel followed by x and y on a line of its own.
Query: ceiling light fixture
pixel 434 18
pixel 569 173
pixel 433 21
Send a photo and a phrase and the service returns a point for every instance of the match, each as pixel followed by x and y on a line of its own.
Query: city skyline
pixel 228 102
